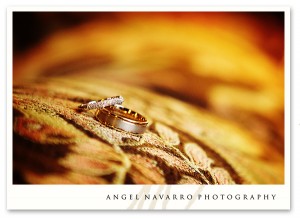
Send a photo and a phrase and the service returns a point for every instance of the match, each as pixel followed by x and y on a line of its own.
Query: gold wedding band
pixel 121 118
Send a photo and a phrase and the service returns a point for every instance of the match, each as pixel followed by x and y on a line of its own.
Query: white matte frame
pixel 96 196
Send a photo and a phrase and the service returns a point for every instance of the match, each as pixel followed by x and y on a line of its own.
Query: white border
pixel 93 196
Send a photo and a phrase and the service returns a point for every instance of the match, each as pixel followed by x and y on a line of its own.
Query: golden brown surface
pixel 212 92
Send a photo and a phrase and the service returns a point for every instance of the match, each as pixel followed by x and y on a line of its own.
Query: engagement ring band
pixel 102 103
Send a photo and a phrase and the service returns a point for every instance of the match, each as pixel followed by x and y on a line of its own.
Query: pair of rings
pixel 111 113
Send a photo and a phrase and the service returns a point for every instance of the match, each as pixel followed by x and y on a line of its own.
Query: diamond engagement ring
pixel 110 101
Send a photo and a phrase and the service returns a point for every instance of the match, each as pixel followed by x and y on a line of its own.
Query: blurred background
pixel 230 64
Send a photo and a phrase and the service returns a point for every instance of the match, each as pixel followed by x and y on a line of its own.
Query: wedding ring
pixel 110 101
pixel 121 118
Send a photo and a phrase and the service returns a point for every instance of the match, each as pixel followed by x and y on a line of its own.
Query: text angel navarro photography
pixel 182 197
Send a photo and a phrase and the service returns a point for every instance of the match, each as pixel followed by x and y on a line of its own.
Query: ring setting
pixel 110 101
